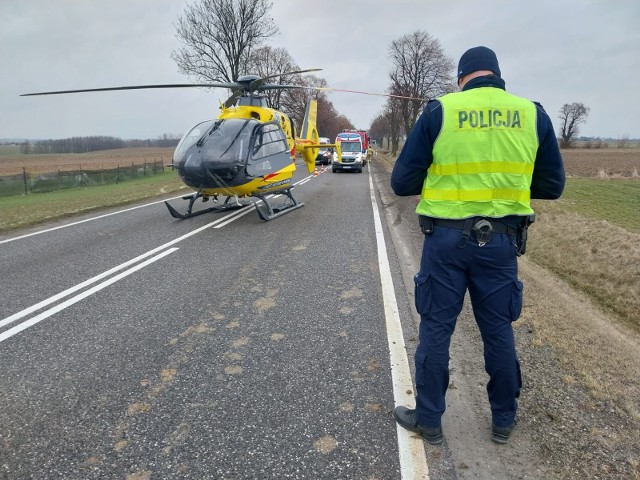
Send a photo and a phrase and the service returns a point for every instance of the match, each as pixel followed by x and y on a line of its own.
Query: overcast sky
pixel 551 51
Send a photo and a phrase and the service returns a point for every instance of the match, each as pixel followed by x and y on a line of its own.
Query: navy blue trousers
pixel 490 274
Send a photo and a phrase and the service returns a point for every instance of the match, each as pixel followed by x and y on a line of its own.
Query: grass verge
pixel 28 210
pixel 615 200
pixel 582 287
pixel 591 239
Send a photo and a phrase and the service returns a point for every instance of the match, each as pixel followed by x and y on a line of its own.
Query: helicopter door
pixel 269 152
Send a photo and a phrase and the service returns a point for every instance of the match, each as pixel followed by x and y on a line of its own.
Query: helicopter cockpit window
pixel 229 140
pixel 191 138
pixel 269 140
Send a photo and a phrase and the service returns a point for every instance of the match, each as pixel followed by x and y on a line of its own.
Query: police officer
pixel 476 158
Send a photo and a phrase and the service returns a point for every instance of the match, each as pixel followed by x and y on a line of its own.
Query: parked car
pixel 325 156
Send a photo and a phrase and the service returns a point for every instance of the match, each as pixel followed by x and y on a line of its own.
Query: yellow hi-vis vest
pixel 483 158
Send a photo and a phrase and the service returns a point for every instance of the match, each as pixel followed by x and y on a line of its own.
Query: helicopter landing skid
pixel 278 210
pixel 192 198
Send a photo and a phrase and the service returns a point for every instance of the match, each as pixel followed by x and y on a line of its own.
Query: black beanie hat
pixel 478 58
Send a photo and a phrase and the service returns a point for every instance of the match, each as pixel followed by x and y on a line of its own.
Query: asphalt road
pixel 137 346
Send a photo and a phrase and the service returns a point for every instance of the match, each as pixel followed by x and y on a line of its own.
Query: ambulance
pixel 354 156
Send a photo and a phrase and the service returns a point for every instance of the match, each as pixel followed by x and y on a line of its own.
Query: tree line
pixel 224 39
pixel 421 69
pixel 93 144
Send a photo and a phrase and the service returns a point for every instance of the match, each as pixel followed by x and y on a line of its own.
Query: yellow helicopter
pixel 249 150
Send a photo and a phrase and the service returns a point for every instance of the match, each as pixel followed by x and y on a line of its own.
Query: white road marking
pixel 88 282
pixel 61 306
pixel 304 180
pixel 221 222
pixel 240 213
pixel 413 461
pixel 237 214
pixel 83 221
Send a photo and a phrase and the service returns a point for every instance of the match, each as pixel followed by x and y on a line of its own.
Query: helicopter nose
pixel 192 170
pixel 193 164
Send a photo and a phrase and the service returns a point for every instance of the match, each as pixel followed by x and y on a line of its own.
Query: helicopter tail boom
pixel 309 137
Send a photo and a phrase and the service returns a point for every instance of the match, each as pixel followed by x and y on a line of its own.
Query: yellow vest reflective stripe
pixel 482 167
pixel 483 158
pixel 486 195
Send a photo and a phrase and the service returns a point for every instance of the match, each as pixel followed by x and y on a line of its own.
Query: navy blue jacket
pixel 416 156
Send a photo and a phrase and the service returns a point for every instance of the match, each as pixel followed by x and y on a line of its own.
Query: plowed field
pixel 14 164
pixel 604 162
pixel 579 162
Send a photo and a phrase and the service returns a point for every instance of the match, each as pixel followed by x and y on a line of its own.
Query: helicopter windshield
pixel 191 138
pixel 222 140
pixel 226 151
pixel 214 152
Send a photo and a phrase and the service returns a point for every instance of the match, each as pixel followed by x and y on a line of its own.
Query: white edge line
pixel 304 180
pixel 83 221
pixel 53 310
pixel 413 461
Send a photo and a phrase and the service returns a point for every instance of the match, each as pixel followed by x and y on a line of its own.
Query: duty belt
pixel 496 226
pixel 482 228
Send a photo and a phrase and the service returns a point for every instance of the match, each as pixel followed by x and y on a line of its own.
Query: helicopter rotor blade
pixel 291 73
pixel 139 87
pixel 328 89
pixel 238 88
pixel 276 86
pixel 258 83
pixel 231 101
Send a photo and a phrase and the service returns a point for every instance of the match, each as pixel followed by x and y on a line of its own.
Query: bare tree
pixel 571 116
pixel 341 122
pixel 327 118
pixel 294 101
pixel 420 70
pixel 393 113
pixel 623 142
pixel 380 129
pixel 219 36
pixel 271 62
pixel 267 62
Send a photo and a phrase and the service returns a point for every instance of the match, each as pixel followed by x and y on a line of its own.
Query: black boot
pixel 501 434
pixel 406 418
